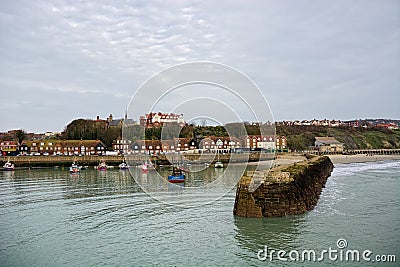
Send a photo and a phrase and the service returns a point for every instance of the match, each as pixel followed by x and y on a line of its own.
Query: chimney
pixel 98 118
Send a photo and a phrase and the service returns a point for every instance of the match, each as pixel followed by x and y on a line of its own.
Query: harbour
pixel 104 218
pixel 51 161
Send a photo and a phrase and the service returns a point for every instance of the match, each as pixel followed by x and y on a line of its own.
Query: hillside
pixel 301 137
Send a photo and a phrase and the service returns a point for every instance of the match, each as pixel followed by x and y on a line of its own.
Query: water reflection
pixel 277 233
pixel 8 175
pixel 96 183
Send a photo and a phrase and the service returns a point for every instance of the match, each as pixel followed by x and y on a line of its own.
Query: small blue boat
pixel 177 176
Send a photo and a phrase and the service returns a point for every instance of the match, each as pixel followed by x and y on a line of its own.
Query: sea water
pixel 50 218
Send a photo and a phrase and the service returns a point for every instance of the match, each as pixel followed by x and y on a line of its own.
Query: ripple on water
pixel 50 218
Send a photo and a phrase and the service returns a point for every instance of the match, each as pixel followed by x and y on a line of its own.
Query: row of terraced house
pixel 123 146
pixel 208 144
pixel 53 147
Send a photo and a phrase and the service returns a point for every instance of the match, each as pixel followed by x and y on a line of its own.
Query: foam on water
pixel 353 168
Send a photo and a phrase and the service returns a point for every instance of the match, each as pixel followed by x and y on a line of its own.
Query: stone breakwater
pixel 284 190
pixel 136 159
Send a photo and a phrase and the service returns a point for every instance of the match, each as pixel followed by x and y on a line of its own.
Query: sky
pixel 63 60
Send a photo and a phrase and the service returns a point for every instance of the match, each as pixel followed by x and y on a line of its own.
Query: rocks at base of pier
pixel 284 190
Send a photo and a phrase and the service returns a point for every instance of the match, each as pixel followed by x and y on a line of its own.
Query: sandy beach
pixel 336 159
pixel 361 158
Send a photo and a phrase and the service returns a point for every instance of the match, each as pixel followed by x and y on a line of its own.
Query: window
pixel 42 144
pixel 50 144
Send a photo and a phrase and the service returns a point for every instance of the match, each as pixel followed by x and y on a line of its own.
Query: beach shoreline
pixel 287 159
pixel 362 158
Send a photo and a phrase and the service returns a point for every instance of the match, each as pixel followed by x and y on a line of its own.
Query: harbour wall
pixel 50 161
pixel 285 190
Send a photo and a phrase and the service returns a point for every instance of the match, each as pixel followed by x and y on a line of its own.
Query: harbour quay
pixel 134 159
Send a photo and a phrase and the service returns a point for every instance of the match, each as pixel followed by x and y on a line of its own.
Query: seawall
pixel 136 159
pixel 284 190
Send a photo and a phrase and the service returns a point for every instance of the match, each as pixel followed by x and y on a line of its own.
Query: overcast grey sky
pixel 62 60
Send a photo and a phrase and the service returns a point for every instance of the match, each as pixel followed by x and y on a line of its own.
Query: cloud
pixel 297 52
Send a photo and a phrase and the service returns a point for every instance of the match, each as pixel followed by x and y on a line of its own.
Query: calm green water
pixel 49 218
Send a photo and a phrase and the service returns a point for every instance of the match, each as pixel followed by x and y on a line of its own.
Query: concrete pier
pixel 284 190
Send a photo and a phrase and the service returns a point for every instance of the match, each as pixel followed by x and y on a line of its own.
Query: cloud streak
pixel 310 59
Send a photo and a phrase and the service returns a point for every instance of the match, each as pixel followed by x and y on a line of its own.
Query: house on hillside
pixel 220 143
pixel 65 147
pixel 111 122
pixel 328 145
pixel 122 146
pixel 9 148
pixel 390 126
pixel 155 120
pixel 270 142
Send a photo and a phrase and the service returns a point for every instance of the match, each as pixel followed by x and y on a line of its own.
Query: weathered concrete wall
pixel 136 159
pixel 285 190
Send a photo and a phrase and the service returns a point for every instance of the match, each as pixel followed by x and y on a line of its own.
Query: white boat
pixel 218 164
pixel 145 167
pixel 123 166
pixel 74 169
pixel 8 166
pixel 102 166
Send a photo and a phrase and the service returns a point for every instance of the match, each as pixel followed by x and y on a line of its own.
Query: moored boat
pixel 8 166
pixel 177 176
pixel 218 164
pixel 123 166
pixel 145 167
pixel 102 166
pixel 74 169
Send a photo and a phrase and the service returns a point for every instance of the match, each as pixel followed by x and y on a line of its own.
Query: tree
pixel 82 129
pixel 20 135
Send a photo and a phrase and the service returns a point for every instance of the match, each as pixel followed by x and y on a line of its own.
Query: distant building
pixel 269 142
pixel 335 123
pixel 328 144
pixel 64 147
pixel 162 146
pixel 9 148
pixel 352 123
pixel 149 147
pixel 219 143
pixel 111 122
pixel 155 120
pixel 390 126
pixel 51 134
pixel 123 146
